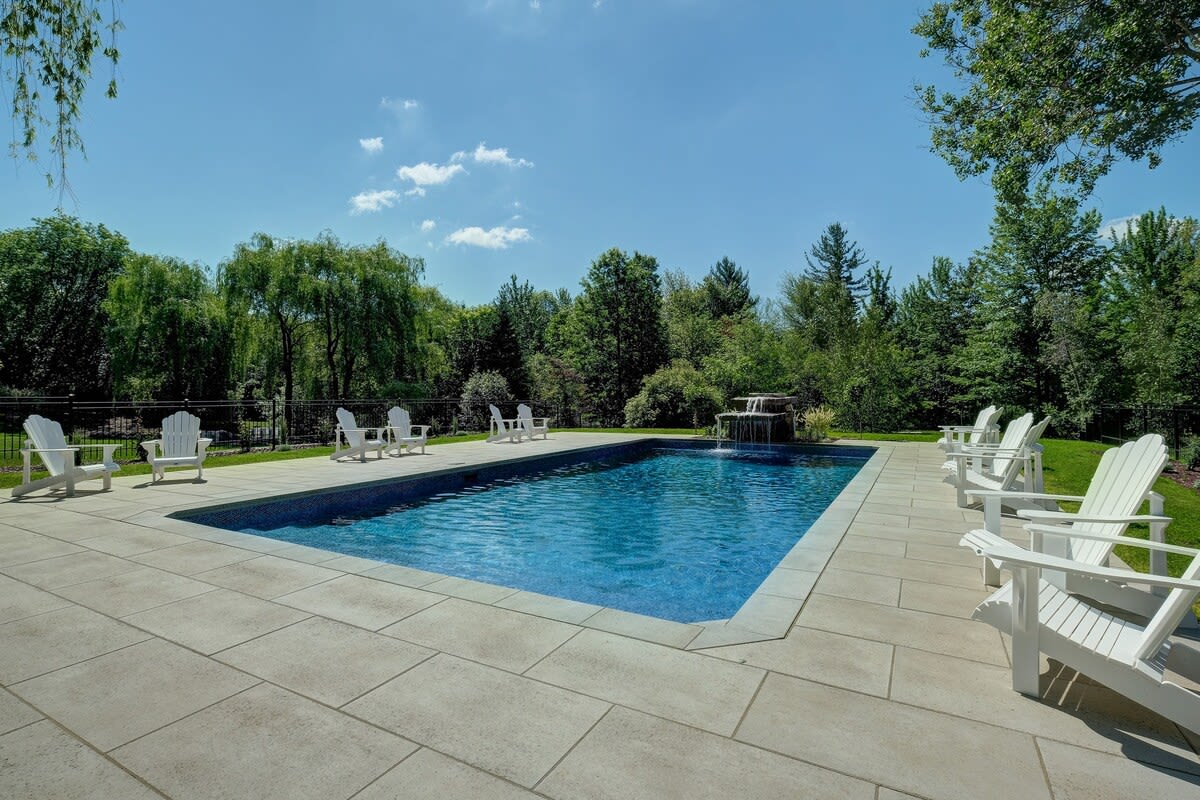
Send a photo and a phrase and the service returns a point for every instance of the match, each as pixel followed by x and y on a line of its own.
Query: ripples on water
pixel 685 535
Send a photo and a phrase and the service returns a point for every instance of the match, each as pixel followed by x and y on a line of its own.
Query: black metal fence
pixel 244 425
pixel 1118 424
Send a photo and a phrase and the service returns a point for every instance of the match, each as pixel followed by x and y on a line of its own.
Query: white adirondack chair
pixel 532 425
pixel 47 440
pixel 980 455
pixel 179 445
pixel 503 428
pixel 400 434
pixel 356 439
pixel 1128 657
pixel 1016 463
pixel 1122 481
pixel 984 431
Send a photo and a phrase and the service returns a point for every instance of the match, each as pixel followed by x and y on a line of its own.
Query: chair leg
pixel 1026 655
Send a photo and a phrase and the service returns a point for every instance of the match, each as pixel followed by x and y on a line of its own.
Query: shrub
pixel 479 390
pixel 1189 454
pixel 675 396
pixel 818 422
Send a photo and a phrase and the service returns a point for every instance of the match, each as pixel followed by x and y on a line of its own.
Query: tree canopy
pixel 48 50
pixel 1059 89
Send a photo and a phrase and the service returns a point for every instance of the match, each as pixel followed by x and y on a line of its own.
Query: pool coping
pixel 768 613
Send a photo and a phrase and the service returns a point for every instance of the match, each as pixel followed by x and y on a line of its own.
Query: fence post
pixel 187 404
pixel 71 414
pixel 1175 433
pixel 274 424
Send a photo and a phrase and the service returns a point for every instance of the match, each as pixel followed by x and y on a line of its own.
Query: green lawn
pixel 1069 466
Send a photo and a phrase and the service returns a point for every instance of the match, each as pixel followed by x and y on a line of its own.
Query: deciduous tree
pixel 53 279
pixel 620 317
pixel 1060 87
pixel 48 46
pixel 168 331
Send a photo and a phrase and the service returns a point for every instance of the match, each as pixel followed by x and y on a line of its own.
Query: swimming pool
pixel 671 529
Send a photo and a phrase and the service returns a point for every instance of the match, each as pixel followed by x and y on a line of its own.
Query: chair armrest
pixel 974 451
pixel 1132 541
pixel 424 429
pixel 50 449
pixel 109 451
pixel 202 447
pixel 1036 514
pixel 1008 553
pixel 956 428
pixel 1003 493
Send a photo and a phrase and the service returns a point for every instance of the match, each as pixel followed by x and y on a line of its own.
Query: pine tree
pixel 836 258
pixel 727 290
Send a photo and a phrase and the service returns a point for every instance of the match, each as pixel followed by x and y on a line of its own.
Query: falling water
pixel 756 424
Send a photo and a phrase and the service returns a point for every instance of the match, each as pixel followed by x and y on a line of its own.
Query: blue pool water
pixel 670 530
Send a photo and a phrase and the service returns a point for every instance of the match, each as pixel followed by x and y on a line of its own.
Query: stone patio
pixel 145 656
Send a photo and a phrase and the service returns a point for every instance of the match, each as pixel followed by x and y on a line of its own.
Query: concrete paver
pixel 265 743
pixel 635 755
pixel 706 693
pixel 329 661
pixel 42 760
pixel 509 725
pixel 115 698
pixel 501 638
pixel 211 663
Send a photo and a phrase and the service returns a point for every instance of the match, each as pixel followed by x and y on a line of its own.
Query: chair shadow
pixel 1142 735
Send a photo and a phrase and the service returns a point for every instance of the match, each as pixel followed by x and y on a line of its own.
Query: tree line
pixel 1048 317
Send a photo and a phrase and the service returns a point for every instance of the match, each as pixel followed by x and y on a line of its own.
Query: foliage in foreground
pixel 1060 88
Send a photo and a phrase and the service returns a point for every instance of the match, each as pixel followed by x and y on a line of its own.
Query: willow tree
pixel 266 281
pixel 48 48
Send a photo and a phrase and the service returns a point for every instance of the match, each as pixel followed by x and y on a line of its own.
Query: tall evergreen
pixel 834 258
pixel 727 290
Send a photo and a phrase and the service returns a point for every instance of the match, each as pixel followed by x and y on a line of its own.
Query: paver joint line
pixel 898 471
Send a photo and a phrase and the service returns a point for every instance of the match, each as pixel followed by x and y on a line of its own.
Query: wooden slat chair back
pixel 502 428
pixel 178 445
pixel 981 432
pixel 46 438
pixel 400 431
pixel 1120 484
pixel 180 435
pixel 529 424
pixel 357 441
pixel 1015 436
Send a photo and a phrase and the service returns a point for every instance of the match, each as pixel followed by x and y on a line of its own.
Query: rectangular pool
pixel 670 528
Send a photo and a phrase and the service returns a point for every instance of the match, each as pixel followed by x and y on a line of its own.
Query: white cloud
pixel 428 225
pixel 498 155
pixel 398 105
pixel 416 191
pixel 536 5
pixel 1114 229
pixel 425 174
pixel 498 238
pixel 373 201
pixel 374 145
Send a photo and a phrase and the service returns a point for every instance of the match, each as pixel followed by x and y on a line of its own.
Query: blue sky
pixel 494 137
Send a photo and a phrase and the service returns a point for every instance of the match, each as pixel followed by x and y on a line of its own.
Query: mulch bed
pixel 1188 478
